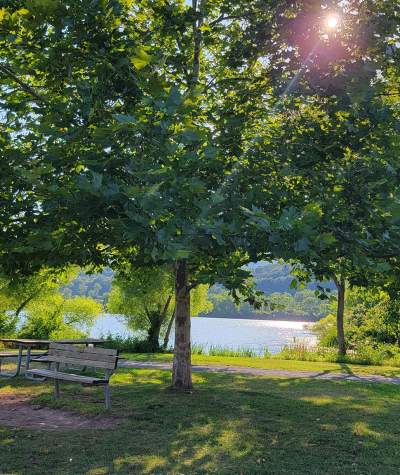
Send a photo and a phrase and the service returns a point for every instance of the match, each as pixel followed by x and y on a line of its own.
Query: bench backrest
pixel 83 356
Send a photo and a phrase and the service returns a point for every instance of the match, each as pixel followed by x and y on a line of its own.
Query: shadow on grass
pixel 230 424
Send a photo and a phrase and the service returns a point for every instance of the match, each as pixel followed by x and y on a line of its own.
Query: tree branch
pixel 24 304
pixel 222 18
pixel 30 90
pixel 197 42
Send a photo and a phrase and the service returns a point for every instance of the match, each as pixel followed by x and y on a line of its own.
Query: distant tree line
pixel 96 286
pixel 302 305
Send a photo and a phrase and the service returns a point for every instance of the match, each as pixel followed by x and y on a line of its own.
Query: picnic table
pixel 28 344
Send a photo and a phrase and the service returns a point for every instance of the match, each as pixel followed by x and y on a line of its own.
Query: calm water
pixel 227 332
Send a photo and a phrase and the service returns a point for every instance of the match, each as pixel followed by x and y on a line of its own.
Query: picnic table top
pixel 30 342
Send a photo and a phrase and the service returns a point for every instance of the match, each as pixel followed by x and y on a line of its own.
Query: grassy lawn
pixel 230 424
pixel 272 363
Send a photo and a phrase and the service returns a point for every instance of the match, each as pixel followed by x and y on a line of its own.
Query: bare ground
pixel 16 411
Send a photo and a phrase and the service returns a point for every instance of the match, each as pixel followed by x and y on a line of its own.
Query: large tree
pixel 125 125
pixel 335 146
pixel 137 130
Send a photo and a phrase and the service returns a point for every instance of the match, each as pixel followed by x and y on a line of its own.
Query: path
pixel 266 372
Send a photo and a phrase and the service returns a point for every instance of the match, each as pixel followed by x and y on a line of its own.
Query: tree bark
pixel 182 366
pixel 341 288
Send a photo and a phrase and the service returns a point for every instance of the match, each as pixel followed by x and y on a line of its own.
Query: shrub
pixel 131 344
pixel 8 324
pixel 54 317
pixel 364 354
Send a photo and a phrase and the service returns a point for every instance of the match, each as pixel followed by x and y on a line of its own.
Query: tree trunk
pixel 156 320
pixel 168 332
pixel 182 367
pixel 341 288
pixel 153 334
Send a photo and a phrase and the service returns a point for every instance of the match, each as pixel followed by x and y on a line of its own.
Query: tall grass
pixel 216 350
pixel 297 350
pixel 363 355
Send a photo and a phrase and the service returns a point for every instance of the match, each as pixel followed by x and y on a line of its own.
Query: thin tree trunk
pixel 23 305
pixel 341 288
pixel 153 337
pixel 168 332
pixel 182 366
pixel 156 320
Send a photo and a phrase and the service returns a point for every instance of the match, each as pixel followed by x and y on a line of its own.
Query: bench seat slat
pixel 84 355
pixel 76 378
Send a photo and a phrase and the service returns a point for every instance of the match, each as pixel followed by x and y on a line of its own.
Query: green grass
pixel 273 363
pixel 230 424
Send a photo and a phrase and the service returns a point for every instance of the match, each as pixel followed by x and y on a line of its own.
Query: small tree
pixel 55 316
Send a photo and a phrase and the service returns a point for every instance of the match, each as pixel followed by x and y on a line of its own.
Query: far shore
pixel 271 316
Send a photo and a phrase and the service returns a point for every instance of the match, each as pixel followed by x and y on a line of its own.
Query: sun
pixel 332 21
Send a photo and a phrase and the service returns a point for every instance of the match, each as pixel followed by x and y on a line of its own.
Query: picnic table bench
pixel 28 344
pixel 60 354
pixel 8 354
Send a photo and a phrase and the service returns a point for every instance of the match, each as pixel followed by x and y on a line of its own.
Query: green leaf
pixel 190 136
pixel 141 58
pixel 174 99
pixel 124 118
pixel 302 245
pixel 210 152
pixel 182 254
pixel 294 284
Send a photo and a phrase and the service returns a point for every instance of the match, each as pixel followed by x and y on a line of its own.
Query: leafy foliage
pixel 371 320
pixel 207 135
pixel 57 317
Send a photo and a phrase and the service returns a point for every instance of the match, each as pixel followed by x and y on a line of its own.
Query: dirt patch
pixel 16 411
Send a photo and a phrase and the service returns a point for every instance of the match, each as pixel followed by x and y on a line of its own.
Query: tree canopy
pixel 194 135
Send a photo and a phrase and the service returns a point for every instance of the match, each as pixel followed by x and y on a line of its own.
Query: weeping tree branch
pixel 223 17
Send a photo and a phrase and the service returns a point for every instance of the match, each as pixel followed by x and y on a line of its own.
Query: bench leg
pixel 107 395
pixel 56 388
pixel 17 370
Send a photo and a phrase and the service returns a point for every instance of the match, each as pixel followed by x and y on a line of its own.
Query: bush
pixel 54 317
pixel 325 329
pixel 364 354
pixel 8 324
pixel 130 344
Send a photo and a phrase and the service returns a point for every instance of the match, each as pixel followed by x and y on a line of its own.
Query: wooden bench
pixel 99 358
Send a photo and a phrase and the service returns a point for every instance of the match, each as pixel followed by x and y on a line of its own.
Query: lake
pixel 227 332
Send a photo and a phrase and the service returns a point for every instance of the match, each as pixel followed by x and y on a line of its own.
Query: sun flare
pixel 332 22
